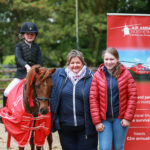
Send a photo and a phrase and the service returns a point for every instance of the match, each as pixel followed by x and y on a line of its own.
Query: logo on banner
pixel 134 30
pixel 126 30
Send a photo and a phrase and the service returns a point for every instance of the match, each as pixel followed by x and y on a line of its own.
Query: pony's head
pixel 37 89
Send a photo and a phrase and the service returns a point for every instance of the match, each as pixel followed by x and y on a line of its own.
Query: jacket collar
pixel 103 68
pixel 87 74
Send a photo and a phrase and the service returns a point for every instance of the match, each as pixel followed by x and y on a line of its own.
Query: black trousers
pixel 73 138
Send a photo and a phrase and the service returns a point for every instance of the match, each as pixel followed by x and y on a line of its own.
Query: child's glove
pixel 27 67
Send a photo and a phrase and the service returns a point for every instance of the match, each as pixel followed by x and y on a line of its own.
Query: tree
pixel 57 27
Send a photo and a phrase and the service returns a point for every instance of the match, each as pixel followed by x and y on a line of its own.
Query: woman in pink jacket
pixel 113 98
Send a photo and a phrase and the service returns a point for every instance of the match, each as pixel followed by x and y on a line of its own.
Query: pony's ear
pixel 37 70
pixel 51 71
pixel 47 73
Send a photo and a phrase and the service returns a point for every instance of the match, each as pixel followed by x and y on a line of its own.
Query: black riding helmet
pixel 29 27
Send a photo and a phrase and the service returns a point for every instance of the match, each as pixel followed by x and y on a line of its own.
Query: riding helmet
pixel 29 27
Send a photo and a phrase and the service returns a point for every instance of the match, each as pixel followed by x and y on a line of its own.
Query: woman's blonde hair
pixel 75 53
pixel 21 36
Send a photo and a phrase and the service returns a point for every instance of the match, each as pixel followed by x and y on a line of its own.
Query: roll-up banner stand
pixel 130 34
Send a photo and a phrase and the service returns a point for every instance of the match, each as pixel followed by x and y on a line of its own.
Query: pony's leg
pixel 21 148
pixel 38 148
pixel 32 141
pixel 50 140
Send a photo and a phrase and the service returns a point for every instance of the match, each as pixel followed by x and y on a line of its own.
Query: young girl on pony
pixel 27 54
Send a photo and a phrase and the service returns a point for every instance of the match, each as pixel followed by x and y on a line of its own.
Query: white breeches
pixel 12 84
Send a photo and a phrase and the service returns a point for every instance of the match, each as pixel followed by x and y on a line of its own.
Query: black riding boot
pixel 4 100
pixel 4 104
pixel 1 121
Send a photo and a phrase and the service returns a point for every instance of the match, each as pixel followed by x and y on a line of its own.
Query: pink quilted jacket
pixel 98 95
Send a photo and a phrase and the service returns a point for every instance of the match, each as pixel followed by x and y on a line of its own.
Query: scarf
pixel 75 77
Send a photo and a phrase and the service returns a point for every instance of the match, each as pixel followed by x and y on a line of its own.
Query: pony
pixel 27 116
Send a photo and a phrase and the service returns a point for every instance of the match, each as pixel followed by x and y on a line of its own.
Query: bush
pixel 9 60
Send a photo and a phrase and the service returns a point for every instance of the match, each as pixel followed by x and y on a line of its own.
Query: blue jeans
pixel 113 135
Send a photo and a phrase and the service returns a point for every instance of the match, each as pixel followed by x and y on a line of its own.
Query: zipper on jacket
pixel 111 97
pixel 74 105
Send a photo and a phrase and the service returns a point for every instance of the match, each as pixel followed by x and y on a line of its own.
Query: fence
pixel 6 77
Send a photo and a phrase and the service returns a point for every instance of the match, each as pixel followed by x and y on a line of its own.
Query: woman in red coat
pixel 113 98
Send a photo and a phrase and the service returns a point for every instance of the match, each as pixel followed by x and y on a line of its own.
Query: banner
pixel 130 34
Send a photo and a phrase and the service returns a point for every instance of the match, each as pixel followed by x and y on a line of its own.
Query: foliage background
pixel 57 27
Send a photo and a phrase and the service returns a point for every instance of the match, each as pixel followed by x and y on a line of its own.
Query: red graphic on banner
pixel 139 69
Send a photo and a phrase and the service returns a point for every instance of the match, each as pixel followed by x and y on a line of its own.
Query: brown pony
pixel 39 83
pixel 36 89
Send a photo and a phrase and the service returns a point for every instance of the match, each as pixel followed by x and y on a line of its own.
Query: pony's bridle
pixel 36 98
pixel 39 98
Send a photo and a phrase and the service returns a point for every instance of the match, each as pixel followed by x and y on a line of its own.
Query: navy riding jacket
pixel 26 55
pixel 81 92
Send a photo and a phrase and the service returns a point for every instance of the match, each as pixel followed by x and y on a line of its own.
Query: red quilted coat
pixel 98 95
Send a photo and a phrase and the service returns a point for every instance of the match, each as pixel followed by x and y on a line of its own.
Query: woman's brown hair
pixel 75 53
pixel 114 52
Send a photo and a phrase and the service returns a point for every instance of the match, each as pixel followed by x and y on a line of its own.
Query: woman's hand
pixel 99 127
pixel 125 123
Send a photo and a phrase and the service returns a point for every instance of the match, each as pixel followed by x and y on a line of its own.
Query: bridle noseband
pixel 41 98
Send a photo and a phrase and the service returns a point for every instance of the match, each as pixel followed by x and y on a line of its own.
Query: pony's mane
pixel 29 80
